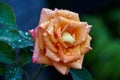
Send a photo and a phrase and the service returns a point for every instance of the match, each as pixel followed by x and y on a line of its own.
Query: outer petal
pixel 67 14
pixel 85 46
pixel 62 68
pixel 38 56
pixel 41 42
pixel 33 33
pixel 77 64
pixel 44 25
pixel 46 14
pixel 81 33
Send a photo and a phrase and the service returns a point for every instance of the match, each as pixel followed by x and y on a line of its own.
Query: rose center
pixel 67 37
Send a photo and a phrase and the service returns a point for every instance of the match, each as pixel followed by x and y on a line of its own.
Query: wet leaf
pixel 14 73
pixel 15 38
pixel 9 32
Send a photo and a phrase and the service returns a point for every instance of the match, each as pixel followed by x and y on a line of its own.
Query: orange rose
pixel 61 40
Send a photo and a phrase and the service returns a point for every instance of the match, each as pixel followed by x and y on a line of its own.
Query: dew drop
pixel 26 33
pixel 19 40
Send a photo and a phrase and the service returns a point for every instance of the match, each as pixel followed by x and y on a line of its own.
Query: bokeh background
pixel 103 62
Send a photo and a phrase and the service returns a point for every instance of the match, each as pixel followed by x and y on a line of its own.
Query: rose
pixel 61 40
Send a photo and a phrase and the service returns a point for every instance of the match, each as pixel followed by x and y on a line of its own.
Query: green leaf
pixel 2 69
pixel 81 74
pixel 24 40
pixel 14 73
pixel 15 38
pixel 7 15
pixel 25 56
pixel 7 54
pixel 9 32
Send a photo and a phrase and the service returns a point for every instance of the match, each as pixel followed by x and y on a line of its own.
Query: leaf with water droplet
pixel 24 40
pixel 9 32
pixel 15 38
pixel 14 73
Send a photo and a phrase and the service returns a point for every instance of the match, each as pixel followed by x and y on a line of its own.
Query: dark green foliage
pixel 104 59
pixel 10 39
pixel 7 54
pixel 2 69
pixel 7 15
pixel 25 56
pixel 81 74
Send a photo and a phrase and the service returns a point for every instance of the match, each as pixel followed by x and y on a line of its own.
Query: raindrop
pixel 19 40
pixel 26 33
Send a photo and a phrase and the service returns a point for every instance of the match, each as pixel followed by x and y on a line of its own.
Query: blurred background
pixel 103 62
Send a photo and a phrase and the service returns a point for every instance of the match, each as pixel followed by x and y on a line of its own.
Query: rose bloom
pixel 61 40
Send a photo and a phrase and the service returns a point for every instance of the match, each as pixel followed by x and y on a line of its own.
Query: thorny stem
pixel 37 72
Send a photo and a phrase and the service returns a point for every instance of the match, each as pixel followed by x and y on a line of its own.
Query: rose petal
pixel 81 33
pixel 53 56
pixel 66 24
pixel 36 52
pixel 60 22
pixel 38 56
pixel 77 64
pixel 48 43
pixel 70 55
pixel 58 32
pixel 85 46
pixel 67 14
pixel 46 14
pixel 51 31
pixel 44 25
pixel 33 33
pixel 40 38
pixel 50 26
pixel 43 59
pixel 62 68
pixel 53 38
pixel 62 43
